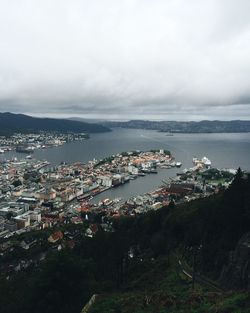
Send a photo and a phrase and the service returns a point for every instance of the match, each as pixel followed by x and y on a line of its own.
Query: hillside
pixel 212 235
pixel 10 123
pixel 162 287
pixel 236 126
pixel 140 266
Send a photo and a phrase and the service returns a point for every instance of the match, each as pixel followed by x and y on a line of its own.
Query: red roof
pixel 94 228
pixel 55 236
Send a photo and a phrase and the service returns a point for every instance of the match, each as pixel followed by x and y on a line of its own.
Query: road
pixel 186 270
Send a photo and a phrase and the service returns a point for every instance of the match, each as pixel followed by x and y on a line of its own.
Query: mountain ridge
pixel 204 126
pixel 10 123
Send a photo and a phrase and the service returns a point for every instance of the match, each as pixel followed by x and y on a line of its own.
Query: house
pixel 76 220
pixel 156 205
pixel 26 244
pixel 13 207
pixel 105 180
pixel 91 230
pixel 10 225
pixel 46 194
pixel 22 221
pixel 55 237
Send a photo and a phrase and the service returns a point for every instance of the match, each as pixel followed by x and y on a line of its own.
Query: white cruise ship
pixel 205 162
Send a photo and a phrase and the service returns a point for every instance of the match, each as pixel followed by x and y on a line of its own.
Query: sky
pixel 126 59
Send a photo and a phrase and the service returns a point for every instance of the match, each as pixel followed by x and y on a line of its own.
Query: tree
pixel 9 215
pixel 171 204
pixel 17 183
pixel 238 178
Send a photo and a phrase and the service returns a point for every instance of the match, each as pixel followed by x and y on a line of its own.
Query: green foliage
pixel 237 302
pixel 17 183
pixel 159 288
pixel 61 283
pixel 104 161
pixel 131 153
pixel 9 215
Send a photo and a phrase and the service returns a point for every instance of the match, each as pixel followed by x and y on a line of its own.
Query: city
pixel 124 156
pixel 28 143
pixel 36 196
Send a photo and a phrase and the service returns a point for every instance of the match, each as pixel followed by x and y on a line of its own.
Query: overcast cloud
pixel 154 59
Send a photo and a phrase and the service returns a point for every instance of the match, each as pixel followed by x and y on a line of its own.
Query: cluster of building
pixel 27 143
pixel 35 196
pixel 188 185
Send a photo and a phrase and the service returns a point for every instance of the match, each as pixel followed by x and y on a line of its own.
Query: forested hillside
pixel 139 261
pixel 10 123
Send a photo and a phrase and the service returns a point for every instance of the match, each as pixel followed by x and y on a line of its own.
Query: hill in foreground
pixel 161 287
pixel 146 264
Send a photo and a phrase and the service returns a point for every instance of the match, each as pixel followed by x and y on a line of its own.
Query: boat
pixel 24 149
pixel 196 160
pixel 84 196
pixel 1 151
pixel 153 171
pixel 29 157
pixel 165 165
pixel 178 164
pixel 205 162
pixel 141 174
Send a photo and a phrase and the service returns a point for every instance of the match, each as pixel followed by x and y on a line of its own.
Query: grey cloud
pixel 129 58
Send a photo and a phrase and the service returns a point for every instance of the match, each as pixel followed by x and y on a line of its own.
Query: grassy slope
pixel 161 288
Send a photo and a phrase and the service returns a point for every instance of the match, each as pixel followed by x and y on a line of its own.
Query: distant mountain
pixel 87 120
pixel 236 126
pixel 96 120
pixel 10 123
